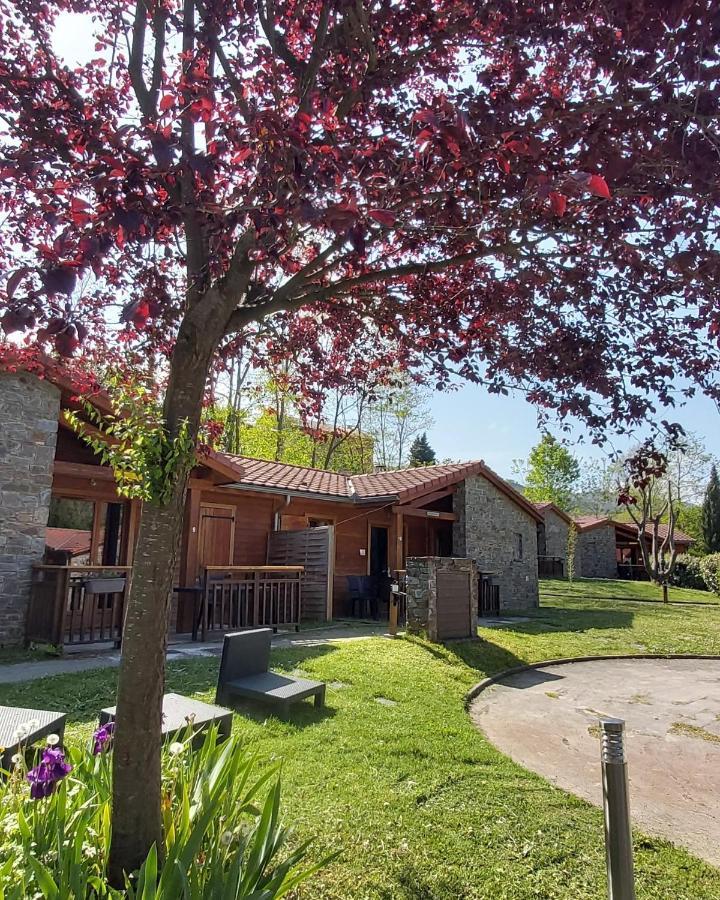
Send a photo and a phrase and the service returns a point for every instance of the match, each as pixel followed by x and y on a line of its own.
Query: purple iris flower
pixel 46 775
pixel 102 738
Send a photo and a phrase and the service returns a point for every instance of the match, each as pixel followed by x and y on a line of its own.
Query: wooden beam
pixel 399 560
pixel 83 470
pixel 425 513
pixel 423 500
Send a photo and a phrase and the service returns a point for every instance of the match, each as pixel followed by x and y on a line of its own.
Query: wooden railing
pixel 77 604
pixel 236 597
pixel 551 567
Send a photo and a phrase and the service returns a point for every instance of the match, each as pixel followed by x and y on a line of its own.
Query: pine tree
pixel 421 453
pixel 711 513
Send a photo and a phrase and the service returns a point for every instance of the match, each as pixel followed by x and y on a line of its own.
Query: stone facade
pixel 29 409
pixel 422 593
pixel 556 534
pixel 502 539
pixel 595 552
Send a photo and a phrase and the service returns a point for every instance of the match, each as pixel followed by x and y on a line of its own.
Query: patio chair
pixel 363 590
pixel 244 673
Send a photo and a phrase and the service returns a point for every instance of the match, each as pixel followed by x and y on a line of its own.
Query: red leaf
pixel 241 155
pixel 383 216
pixel 167 102
pixel 558 202
pixel 597 185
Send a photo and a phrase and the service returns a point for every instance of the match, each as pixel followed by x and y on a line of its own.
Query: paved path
pixel 547 720
pixel 107 659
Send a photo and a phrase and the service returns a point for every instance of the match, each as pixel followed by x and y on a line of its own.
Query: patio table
pixel 12 718
pixel 178 711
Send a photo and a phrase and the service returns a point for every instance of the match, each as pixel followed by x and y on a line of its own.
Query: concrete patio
pixel 547 720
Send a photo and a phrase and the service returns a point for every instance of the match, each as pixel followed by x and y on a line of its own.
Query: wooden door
pixel 216 536
pixel 454 615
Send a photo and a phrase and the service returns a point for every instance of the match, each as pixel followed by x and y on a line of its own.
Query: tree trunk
pixel 136 820
pixel 136 815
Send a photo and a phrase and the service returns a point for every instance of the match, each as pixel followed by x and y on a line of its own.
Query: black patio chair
pixel 244 673
pixel 363 590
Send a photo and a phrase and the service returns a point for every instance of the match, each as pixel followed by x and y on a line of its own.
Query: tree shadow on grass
pixel 82 695
pixel 482 655
pixel 552 619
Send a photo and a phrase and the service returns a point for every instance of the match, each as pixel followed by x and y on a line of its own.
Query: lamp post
pixel 616 805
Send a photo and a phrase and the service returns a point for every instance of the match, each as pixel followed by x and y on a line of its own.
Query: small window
pixel 518 546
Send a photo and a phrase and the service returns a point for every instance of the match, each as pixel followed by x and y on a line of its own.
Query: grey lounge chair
pixel 244 672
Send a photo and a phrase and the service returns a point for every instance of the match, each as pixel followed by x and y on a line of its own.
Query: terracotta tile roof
pixel 74 540
pixel 401 485
pixel 548 506
pixel 680 536
pixel 406 482
pixel 585 523
pixel 264 473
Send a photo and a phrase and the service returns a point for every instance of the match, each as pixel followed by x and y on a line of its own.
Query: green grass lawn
pixel 613 589
pixel 420 804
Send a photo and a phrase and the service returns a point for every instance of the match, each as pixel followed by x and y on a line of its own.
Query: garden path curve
pixel 546 719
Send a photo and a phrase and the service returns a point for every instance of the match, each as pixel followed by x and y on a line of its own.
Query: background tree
pixel 711 513
pixel 650 500
pixel 521 195
pixel 396 414
pixel 550 474
pixel 421 453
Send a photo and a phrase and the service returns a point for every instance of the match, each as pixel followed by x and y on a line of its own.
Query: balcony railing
pixel 72 605
pixel 237 597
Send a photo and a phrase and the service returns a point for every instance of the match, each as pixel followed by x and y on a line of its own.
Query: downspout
pixel 284 505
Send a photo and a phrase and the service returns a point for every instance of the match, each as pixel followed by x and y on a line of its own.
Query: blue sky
pixel 472 424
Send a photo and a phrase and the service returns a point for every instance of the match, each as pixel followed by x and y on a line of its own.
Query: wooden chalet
pixel 264 543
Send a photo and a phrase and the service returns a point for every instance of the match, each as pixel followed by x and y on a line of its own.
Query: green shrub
pixel 710 568
pixel 688 573
pixel 221 821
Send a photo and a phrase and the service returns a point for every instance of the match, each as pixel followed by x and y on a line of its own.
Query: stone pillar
pixel 29 409
pixel 423 603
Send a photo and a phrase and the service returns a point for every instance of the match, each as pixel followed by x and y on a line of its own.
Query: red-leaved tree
pixel 520 192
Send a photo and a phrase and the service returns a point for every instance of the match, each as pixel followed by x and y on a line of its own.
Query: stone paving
pixel 547 720
pixel 106 659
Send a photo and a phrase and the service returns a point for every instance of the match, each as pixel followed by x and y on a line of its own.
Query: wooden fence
pixel 77 604
pixel 236 597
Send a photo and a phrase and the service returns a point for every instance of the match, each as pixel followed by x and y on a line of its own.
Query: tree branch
pixel 266 15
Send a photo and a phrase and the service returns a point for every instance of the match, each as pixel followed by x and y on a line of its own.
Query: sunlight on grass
pixel 420 804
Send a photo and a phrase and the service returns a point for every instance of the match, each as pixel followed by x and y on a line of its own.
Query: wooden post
pixel 188 569
pixel 399 550
pixel 392 629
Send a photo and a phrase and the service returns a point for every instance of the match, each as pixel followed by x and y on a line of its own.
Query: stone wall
pixel 556 534
pixel 501 537
pixel 29 409
pixel 421 573
pixel 595 553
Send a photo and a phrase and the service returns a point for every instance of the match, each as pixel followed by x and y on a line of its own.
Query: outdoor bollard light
pixel 616 805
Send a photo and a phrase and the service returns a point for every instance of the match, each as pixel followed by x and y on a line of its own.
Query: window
pixel 518 546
